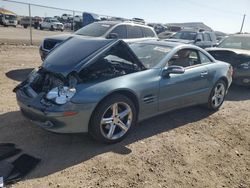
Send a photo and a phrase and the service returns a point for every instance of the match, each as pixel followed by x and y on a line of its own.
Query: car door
pixel 200 40
pixel 46 22
pixel 189 88
pixel 207 40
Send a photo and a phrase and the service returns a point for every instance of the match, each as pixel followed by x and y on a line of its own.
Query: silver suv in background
pixel 128 31
pixel 201 38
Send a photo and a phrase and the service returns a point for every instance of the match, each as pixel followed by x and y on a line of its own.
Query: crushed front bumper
pixel 55 118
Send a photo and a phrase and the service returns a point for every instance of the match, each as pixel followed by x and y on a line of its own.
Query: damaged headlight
pixel 245 65
pixel 61 95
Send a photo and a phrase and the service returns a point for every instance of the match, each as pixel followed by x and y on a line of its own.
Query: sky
pixel 220 15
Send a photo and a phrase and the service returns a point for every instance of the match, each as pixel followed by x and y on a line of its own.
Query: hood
pixel 181 41
pixel 75 52
pixel 236 51
pixel 62 37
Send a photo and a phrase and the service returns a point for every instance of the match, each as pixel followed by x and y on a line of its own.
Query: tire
pixel 25 26
pixel 52 28
pixel 216 99
pixel 111 126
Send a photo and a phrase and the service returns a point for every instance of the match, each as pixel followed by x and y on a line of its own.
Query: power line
pixel 11 1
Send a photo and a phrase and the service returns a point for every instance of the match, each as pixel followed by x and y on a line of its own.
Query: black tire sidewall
pixel 210 103
pixel 94 126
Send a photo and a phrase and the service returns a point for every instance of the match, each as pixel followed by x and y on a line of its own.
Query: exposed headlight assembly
pixel 245 65
pixel 61 95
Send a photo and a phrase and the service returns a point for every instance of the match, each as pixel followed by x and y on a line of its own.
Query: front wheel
pixel 217 95
pixel 113 119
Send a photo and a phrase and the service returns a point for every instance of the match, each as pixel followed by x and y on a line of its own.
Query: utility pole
pixel 31 42
pixel 243 21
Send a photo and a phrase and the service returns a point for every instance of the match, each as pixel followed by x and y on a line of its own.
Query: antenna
pixel 243 21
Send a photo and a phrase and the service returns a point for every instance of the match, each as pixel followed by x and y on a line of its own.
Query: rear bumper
pixel 241 77
pixel 243 81
pixel 53 118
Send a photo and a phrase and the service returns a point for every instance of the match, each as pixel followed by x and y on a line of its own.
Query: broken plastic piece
pixel 22 166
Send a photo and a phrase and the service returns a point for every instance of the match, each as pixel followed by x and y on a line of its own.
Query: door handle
pixel 205 73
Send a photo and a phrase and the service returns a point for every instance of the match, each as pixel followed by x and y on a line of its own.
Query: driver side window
pixel 185 58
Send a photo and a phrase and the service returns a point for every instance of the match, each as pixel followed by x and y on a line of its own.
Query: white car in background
pixel 66 17
pixel 77 18
pixel 51 24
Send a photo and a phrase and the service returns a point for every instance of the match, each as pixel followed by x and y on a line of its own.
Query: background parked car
pixel 51 24
pixel 203 39
pixel 67 17
pixel 104 86
pixel 128 31
pixel 78 18
pixel 35 22
pixel 159 28
pixel 166 34
pixel 235 50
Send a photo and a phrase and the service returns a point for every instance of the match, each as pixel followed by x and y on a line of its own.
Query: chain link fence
pixel 29 23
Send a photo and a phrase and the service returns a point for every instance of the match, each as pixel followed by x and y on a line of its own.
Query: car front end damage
pixel 44 98
pixel 62 94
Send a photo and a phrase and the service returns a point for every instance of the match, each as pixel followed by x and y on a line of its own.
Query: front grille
pixel 49 44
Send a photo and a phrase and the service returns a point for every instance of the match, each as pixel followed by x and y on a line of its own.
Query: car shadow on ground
pixel 238 93
pixel 60 151
pixel 19 74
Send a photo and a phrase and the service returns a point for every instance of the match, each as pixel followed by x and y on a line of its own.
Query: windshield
pixel 237 42
pixel 185 35
pixel 94 29
pixel 10 17
pixel 150 54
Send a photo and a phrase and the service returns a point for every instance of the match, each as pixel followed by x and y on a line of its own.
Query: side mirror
pixel 172 70
pixel 112 36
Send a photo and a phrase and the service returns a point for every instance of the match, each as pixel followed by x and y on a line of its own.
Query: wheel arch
pixel 126 92
pixel 223 78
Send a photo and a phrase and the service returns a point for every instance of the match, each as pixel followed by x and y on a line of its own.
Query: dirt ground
pixel 191 147
pixel 21 35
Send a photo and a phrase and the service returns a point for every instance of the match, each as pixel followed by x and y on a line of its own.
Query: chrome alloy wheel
pixel 116 120
pixel 219 94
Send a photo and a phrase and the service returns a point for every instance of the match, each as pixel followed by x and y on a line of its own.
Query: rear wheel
pixel 113 119
pixel 217 95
